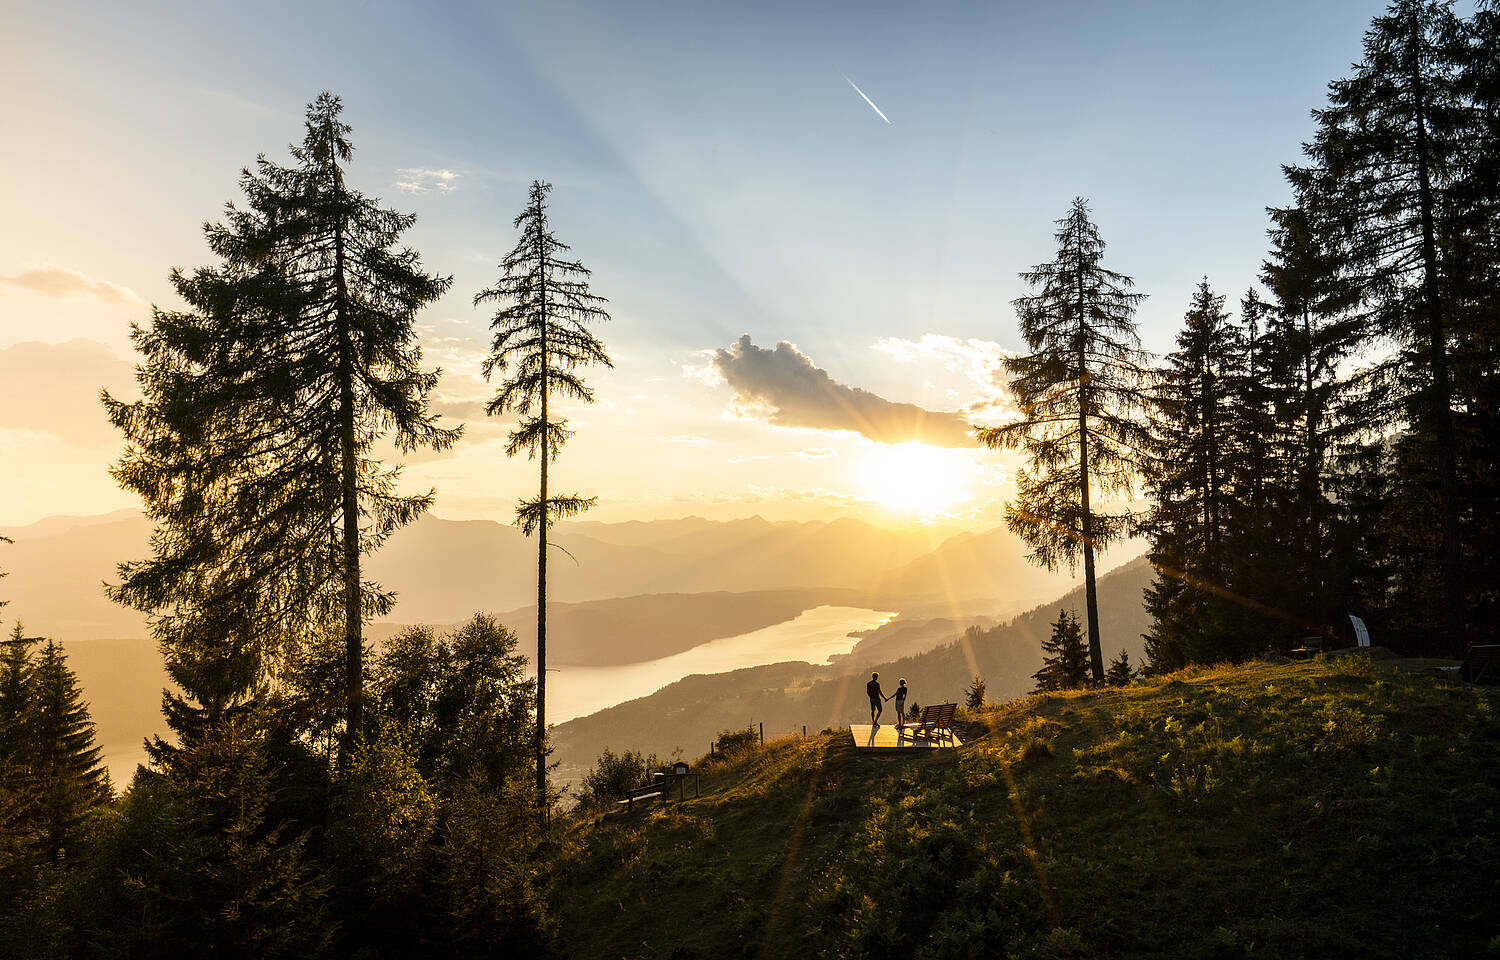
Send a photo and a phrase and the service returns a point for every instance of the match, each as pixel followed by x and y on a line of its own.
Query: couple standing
pixel 877 700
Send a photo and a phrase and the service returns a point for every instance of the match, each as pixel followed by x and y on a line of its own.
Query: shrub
pixel 613 775
pixel 974 696
pixel 732 742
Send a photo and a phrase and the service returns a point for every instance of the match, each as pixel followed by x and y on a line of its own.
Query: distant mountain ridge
pixel 445 570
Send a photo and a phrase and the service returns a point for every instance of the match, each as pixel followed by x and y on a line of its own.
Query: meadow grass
pixel 1335 808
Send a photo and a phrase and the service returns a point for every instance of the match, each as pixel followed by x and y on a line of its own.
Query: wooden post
pixel 762 734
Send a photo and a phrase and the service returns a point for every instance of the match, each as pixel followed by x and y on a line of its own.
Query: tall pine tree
pixel 1079 391
pixel 1380 185
pixel 262 403
pixel 65 760
pixel 1191 478
pixel 542 336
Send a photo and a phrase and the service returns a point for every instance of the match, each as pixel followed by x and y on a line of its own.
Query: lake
pixel 812 637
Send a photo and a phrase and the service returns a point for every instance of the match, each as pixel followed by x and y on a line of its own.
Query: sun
pixel 913 478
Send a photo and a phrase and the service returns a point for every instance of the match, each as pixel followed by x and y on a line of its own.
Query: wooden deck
pixel 888 738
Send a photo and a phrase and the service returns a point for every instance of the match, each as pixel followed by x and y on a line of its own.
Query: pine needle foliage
pixel 262 404
pixel 1383 187
pixel 1065 659
pixel 542 338
pixel 1079 391
pixel 66 762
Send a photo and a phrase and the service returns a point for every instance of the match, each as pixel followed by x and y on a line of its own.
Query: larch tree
pixel 542 338
pixel 252 445
pixel 1079 391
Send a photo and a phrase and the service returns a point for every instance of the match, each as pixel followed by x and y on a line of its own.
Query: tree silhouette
pixel 1065 659
pixel 1078 390
pixel 65 760
pixel 542 335
pixel 1381 189
pixel 262 402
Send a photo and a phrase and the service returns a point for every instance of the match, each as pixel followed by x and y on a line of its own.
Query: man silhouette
pixel 877 700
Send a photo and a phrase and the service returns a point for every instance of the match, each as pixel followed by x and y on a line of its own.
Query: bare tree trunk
pixel 349 506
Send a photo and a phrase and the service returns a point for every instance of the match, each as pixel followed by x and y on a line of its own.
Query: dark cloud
pixel 784 388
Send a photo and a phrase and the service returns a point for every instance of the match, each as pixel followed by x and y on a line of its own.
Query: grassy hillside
pixel 1335 809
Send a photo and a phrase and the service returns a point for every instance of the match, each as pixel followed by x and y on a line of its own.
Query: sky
pixel 808 219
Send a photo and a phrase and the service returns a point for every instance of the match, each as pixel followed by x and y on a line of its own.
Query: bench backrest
pixel 938 712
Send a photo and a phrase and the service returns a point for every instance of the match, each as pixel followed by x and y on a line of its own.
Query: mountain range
pixel 618 593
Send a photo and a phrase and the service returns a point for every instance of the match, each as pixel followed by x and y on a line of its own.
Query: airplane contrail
pixel 867 99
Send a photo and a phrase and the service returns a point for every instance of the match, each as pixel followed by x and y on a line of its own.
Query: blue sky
pixel 711 165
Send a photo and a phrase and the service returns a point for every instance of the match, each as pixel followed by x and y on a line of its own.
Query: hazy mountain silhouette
pixel 638 591
pixel 445 570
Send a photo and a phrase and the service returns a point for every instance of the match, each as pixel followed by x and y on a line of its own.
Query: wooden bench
pixel 1481 663
pixel 642 793
pixel 1311 647
pixel 935 718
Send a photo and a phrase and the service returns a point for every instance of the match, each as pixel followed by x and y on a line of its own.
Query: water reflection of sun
pixel 914 478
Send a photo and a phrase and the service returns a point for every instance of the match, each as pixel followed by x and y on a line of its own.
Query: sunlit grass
pixel 1332 808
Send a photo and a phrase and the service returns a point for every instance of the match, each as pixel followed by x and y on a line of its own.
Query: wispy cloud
pixel 50 280
pixel 784 388
pixel 682 438
pixel 815 453
pixel 422 180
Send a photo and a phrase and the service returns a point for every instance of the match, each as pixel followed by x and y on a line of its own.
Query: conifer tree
pixel 65 761
pixel 1192 478
pixel 1078 390
pixel 1381 187
pixel 262 402
pixel 542 335
pixel 1065 659
pixel 1120 672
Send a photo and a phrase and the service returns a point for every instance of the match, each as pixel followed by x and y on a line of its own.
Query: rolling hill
pixel 1344 808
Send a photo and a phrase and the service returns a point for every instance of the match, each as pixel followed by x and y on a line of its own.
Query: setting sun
pixel 914 478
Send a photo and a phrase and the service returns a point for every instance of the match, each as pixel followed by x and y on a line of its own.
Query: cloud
pixel 419 180
pixel 54 389
pixel 50 280
pixel 815 453
pixel 981 362
pixel 683 438
pixel 783 387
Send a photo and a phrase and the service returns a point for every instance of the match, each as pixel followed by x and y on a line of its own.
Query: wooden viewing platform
pixel 887 737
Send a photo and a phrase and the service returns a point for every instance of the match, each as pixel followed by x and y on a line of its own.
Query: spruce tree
pixel 1381 185
pixel 65 762
pixel 1065 659
pixel 542 336
pixel 1078 390
pixel 1191 476
pixel 1120 672
pixel 262 403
